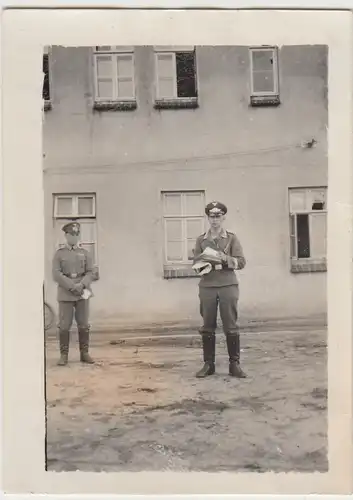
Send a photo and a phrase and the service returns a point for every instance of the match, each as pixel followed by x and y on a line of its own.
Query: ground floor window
pixel 81 207
pixel 183 222
pixel 308 229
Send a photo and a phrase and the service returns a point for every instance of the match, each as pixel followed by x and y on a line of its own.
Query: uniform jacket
pixel 228 243
pixel 71 265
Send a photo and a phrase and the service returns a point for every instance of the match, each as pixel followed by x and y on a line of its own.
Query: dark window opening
pixel 186 74
pixel 46 86
pixel 303 237
pixel 318 205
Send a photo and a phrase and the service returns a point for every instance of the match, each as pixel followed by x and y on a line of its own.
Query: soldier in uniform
pixel 219 287
pixel 73 272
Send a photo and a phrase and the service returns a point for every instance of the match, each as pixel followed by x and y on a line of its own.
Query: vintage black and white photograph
pixel 185 258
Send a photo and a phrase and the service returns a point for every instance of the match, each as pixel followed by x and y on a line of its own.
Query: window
pixel 308 219
pixel 184 221
pixel 114 78
pixel 264 76
pixel 176 85
pixel 81 207
pixel 46 81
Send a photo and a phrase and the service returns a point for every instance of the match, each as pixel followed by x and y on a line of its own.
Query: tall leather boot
pixel 209 352
pixel 83 336
pixel 233 345
pixel 64 339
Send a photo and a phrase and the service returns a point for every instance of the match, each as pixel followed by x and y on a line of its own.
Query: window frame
pixel 268 97
pixel 174 102
pixel 116 102
pixel 312 263
pixel 74 197
pixel 82 219
pixel 185 264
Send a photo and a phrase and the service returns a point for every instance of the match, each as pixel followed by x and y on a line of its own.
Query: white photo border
pixel 24 34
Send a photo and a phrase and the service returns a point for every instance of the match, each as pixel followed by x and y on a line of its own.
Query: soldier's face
pixel 72 239
pixel 216 221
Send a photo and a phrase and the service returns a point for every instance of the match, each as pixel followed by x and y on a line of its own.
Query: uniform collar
pixel 74 247
pixel 222 234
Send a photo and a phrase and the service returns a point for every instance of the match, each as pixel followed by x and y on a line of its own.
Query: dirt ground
pixel 141 407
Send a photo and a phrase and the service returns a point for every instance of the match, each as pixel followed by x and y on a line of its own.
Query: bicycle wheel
pixel 48 316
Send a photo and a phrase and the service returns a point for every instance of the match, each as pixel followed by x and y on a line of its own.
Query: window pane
pixel 191 247
pixel 91 248
pixel 166 88
pixel 303 236
pixel 104 67
pixel 123 48
pixel 125 66
pixel 316 199
pixel 105 89
pixel 172 204
pixel 165 66
pixel 297 201
pixel 103 48
pixel 262 60
pixel 85 206
pixel 186 74
pixel 194 204
pixel 46 87
pixel 175 251
pixel 263 82
pixel 63 207
pixel 194 228
pixel 174 230
pixel 59 236
pixel 125 88
pixel 114 48
pixel 88 231
pixel 318 235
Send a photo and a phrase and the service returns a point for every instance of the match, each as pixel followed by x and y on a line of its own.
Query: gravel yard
pixel 141 407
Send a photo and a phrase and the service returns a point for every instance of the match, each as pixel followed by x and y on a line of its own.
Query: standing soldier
pixel 219 253
pixel 73 272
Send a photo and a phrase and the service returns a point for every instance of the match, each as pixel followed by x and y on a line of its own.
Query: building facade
pixel 136 140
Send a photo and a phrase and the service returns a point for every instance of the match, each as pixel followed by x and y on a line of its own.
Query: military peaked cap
pixel 216 208
pixel 72 228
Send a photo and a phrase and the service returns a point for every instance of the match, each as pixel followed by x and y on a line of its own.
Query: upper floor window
pixel 264 76
pixel 46 82
pixel 308 232
pixel 114 77
pixel 176 80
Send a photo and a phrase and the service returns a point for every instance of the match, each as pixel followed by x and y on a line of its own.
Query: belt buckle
pixel 218 267
pixel 74 275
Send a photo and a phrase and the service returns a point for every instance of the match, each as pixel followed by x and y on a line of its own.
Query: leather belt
pixel 74 275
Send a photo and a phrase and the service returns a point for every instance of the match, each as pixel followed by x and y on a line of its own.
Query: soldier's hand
pixel 222 256
pixel 78 289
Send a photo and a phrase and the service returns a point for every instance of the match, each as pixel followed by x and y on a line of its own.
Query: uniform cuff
pixel 233 263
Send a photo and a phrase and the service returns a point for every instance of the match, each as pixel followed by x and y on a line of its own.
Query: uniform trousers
pixel 67 310
pixel 224 297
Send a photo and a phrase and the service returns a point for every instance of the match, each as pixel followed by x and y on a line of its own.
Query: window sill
pixel 181 103
pixel 264 101
pixel 308 266
pixel 47 106
pixel 115 105
pixel 179 271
